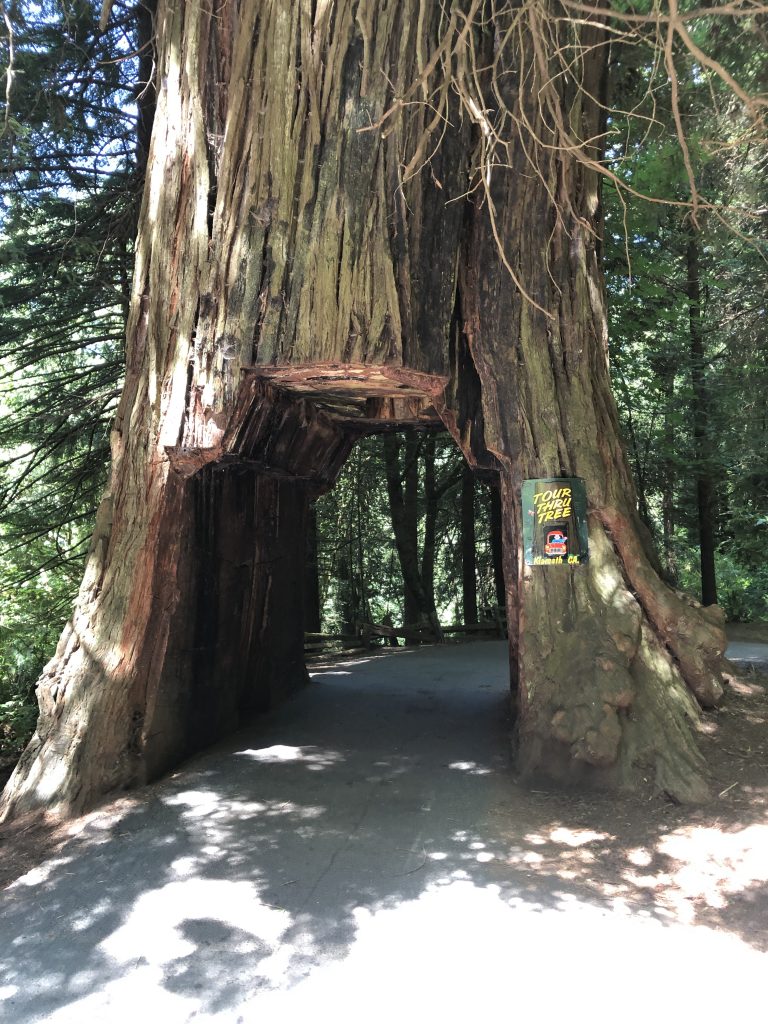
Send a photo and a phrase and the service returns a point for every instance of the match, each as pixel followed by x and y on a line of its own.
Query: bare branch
pixel 9 71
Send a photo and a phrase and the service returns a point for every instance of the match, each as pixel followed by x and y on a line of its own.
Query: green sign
pixel 555 521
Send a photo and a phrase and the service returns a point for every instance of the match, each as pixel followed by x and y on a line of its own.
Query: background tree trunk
pixel 405 523
pixel 497 546
pixel 468 554
pixel 431 506
pixel 705 497
pixel 669 475
pixel 403 491
pixel 312 617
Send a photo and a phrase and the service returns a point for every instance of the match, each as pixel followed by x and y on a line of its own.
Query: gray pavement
pixel 750 655
pixel 361 854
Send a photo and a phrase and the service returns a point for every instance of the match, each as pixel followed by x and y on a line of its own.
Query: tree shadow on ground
pixel 363 829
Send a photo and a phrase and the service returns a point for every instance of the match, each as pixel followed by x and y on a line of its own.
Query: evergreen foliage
pixel 68 161
pixel 693 415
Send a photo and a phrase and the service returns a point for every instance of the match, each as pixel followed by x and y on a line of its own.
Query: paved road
pixel 748 654
pixel 355 857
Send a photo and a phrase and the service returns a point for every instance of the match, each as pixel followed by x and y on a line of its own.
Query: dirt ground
pixel 705 865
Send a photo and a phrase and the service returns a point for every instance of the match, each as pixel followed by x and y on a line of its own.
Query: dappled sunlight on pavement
pixel 683 875
pixel 712 865
pixel 459 951
pixel 364 854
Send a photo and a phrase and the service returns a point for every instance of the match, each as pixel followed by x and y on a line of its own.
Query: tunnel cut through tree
pixel 398 533
pixel 333 235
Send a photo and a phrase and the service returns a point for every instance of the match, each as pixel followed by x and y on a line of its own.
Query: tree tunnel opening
pixel 406 629
pixel 406 547
pixel 376 536
pixel 277 548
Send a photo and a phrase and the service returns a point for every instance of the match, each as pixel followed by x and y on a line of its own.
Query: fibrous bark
pixel 609 656
pixel 294 288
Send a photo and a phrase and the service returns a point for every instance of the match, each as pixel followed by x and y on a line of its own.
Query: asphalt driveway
pixel 362 854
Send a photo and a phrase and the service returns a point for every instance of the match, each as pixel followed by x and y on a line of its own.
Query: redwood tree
pixel 361 214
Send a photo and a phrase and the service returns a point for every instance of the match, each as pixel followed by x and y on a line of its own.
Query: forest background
pixel 408 535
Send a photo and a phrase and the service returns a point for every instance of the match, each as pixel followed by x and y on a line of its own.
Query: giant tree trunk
pixel 606 649
pixel 296 285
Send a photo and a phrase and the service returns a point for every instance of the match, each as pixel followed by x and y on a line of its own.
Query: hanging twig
pixel 9 71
